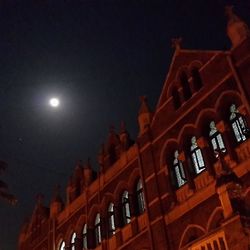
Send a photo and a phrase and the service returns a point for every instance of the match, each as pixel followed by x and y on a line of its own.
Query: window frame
pixel 85 236
pixel 73 241
pixel 62 245
pixel 197 156
pixel 126 213
pixel 179 172
pixel 216 140
pixel 140 198
pixel 238 124
pixel 98 234
pixel 111 219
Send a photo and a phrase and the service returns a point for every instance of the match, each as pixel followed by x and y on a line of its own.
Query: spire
pixel 56 205
pixel 176 43
pixel 87 165
pixel 56 195
pixel 124 137
pixel 39 199
pixel 144 116
pixel 144 105
pixel 237 29
pixel 101 156
pixel 113 139
pixel 87 173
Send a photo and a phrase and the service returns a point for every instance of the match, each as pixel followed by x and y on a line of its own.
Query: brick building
pixel 183 184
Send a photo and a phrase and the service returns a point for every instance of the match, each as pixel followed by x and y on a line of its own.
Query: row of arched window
pixel 240 131
pixel 111 220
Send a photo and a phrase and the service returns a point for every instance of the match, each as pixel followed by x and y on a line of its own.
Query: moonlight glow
pixel 54 102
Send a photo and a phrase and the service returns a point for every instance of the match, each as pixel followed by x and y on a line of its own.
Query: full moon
pixel 54 102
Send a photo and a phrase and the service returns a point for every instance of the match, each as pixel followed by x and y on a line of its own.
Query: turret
pixel 125 140
pixel 87 173
pixel 56 204
pixel 144 116
pixel 237 29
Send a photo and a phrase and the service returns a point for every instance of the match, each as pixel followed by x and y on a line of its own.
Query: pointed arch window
pixel 98 237
pixel 176 98
pixel 111 219
pixel 185 86
pixel 238 124
pixel 140 197
pixel 197 157
pixel 216 140
pixel 85 237
pixel 179 170
pixel 62 246
pixel 126 208
pixel 197 82
pixel 73 241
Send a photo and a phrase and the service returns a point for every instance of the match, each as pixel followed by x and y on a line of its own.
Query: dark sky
pixel 98 57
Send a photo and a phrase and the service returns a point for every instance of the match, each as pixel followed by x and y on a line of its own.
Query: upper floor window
pixel 62 246
pixel 73 241
pixel 185 86
pixel 111 219
pixel 140 197
pixel 197 158
pixel 85 237
pixel 216 140
pixel 179 170
pixel 176 98
pixel 238 124
pixel 126 208
pixel 98 237
pixel 197 82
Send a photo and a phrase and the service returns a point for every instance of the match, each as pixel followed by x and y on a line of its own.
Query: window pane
pixel 125 208
pixel 98 229
pixel 62 246
pixel 85 237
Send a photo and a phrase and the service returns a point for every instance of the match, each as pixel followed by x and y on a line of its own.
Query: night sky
pixel 98 57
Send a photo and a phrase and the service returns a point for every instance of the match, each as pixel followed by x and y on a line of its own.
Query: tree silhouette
pixel 4 192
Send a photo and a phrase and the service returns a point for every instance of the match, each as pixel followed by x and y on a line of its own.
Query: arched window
pixel 73 241
pixel 178 170
pixel 197 158
pixel 85 237
pixel 185 86
pixel 62 246
pixel 98 237
pixel 125 208
pixel 176 98
pixel 140 197
pixel 111 218
pixel 196 78
pixel 216 140
pixel 238 124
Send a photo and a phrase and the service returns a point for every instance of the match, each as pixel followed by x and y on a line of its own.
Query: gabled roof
pixel 183 58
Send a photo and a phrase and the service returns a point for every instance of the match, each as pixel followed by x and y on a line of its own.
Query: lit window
pixel 111 216
pixel 140 197
pixel 98 237
pixel 62 246
pixel 178 170
pixel 73 241
pixel 85 237
pixel 197 157
pixel 126 208
pixel 238 124
pixel 216 140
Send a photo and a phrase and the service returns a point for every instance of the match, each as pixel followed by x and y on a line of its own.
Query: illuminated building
pixel 184 184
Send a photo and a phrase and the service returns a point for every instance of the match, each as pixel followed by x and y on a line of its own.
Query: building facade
pixel 184 184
